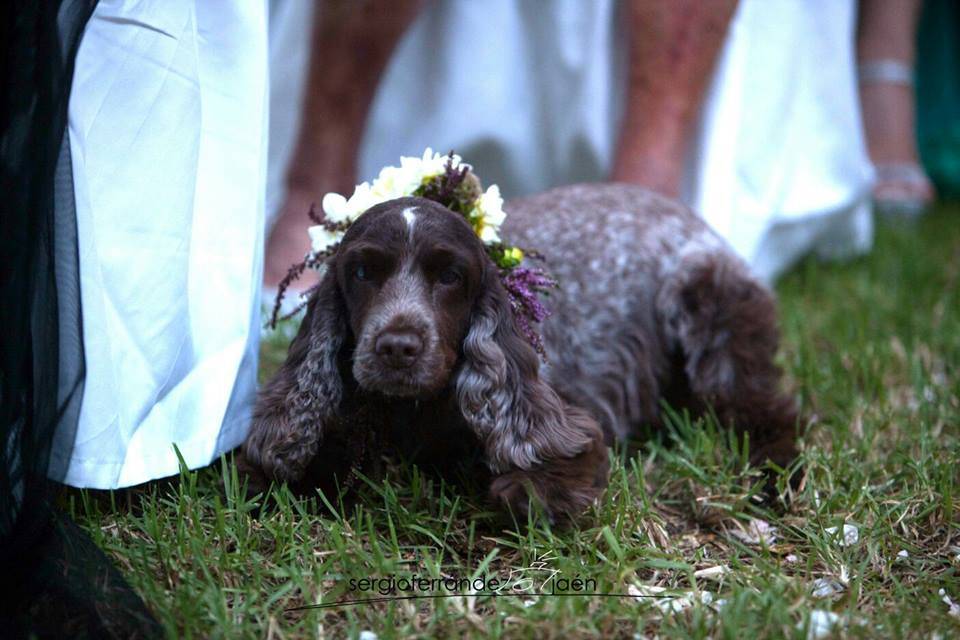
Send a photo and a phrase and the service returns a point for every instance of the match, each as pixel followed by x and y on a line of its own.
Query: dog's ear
pixel 297 403
pixel 519 418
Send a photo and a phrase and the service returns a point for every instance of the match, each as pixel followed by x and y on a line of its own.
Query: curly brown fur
pixel 727 333
pixel 412 323
pixel 304 396
pixel 562 488
pixel 654 305
pixel 411 317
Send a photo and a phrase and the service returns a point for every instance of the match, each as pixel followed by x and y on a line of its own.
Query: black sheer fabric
pixel 59 583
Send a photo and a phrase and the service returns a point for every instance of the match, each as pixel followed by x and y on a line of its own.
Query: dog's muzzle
pixel 398 349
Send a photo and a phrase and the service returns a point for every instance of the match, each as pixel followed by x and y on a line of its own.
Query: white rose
pixel 362 199
pixel 395 182
pixel 335 207
pixel 412 166
pixel 402 181
pixel 321 239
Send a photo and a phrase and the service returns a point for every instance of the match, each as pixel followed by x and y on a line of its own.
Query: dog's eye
pixel 359 272
pixel 449 276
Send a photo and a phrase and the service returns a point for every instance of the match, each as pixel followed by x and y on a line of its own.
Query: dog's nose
pixel 399 348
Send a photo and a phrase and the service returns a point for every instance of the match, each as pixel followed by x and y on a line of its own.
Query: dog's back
pixel 652 304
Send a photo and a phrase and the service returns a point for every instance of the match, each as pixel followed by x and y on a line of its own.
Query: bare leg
pixel 673 48
pixel 351 44
pixel 886 32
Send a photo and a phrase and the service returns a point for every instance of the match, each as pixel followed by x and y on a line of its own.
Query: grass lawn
pixel 872 349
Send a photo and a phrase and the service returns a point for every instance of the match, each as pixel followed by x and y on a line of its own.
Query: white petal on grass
pixel 756 532
pixel 821 623
pixel 711 573
pixel 826 588
pixel 903 553
pixel 791 558
pixel 851 535
pixel 953 608
pixel 367 635
pixel 644 592
pixel 670 602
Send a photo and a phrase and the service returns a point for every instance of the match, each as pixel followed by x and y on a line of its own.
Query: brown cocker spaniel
pixel 410 340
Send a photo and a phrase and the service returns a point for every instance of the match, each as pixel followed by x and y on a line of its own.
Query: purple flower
pixel 524 287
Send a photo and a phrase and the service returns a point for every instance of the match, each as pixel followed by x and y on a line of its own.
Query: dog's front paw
pixel 559 489
pixel 252 474
pixel 515 493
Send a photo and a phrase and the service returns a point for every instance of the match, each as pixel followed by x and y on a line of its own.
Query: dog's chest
pixel 428 432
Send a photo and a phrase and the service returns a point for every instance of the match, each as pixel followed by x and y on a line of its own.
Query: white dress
pixel 780 167
pixel 167 130
pixel 532 93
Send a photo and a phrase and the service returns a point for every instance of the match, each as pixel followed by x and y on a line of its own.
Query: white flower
pixel 489 214
pixel 335 207
pixel 430 164
pixel 822 623
pixel 826 588
pixel 670 602
pixel 756 532
pixel 402 181
pixel 395 182
pixel 953 608
pixel 322 239
pixel 362 199
pixel 391 183
pixel 491 203
pixel 712 573
pixel 489 234
pixel 339 209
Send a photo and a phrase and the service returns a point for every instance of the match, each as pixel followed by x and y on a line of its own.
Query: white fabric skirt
pixel 532 94
pixel 167 131
pixel 779 166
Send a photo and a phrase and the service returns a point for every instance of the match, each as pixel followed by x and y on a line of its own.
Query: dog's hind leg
pixel 724 324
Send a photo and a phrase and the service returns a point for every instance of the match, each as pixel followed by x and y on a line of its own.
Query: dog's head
pixel 411 307
pixel 410 272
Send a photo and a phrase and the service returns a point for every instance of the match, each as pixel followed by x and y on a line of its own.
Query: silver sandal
pixel 902 189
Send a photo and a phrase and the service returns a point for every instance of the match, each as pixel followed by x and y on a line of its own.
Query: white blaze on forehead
pixel 410 215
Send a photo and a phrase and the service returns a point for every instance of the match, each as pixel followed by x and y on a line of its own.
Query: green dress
pixel 938 94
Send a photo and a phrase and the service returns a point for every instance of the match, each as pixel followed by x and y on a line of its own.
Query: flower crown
pixel 450 182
